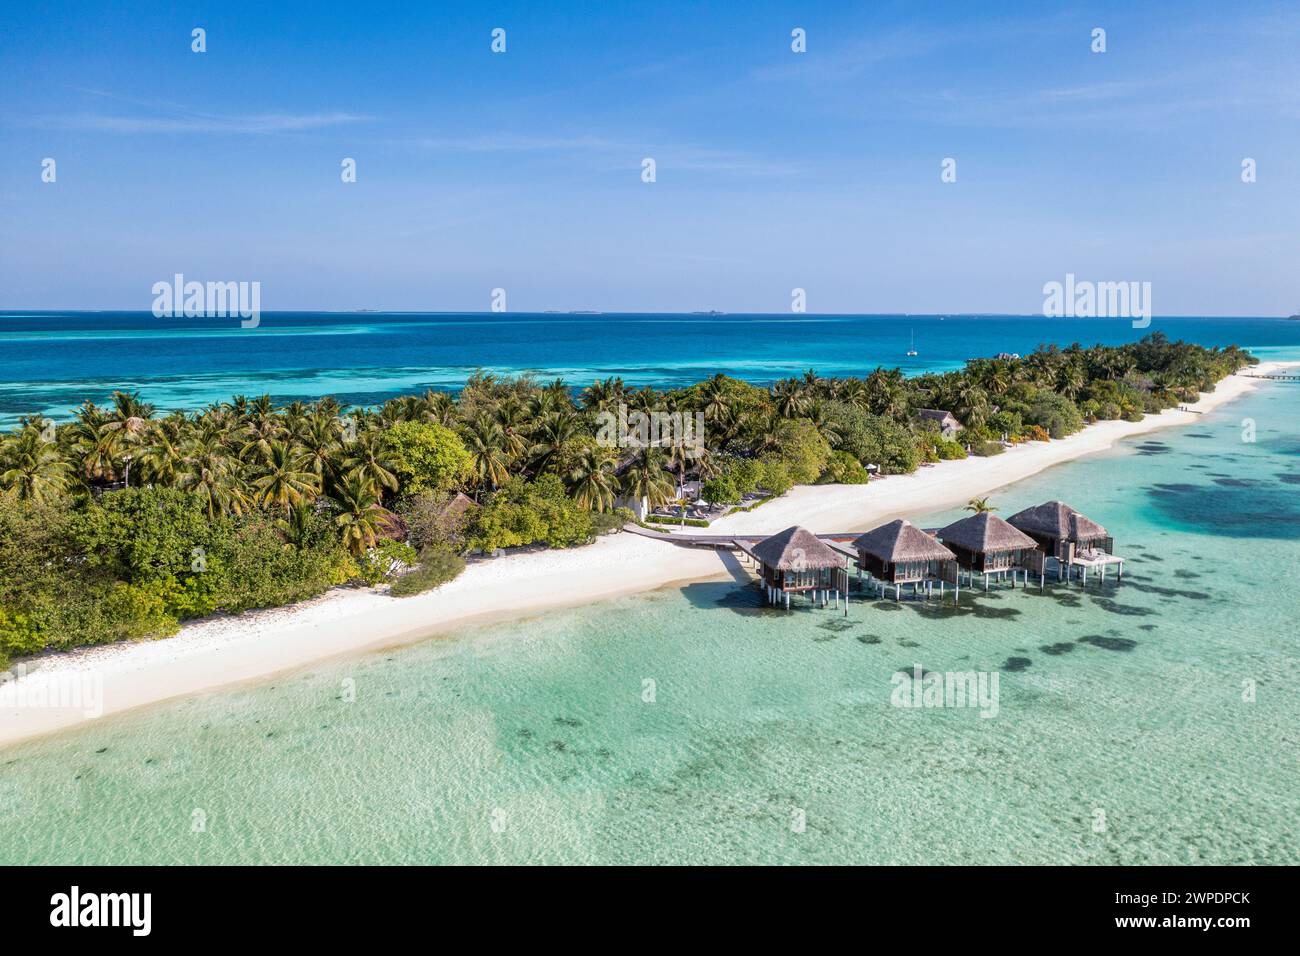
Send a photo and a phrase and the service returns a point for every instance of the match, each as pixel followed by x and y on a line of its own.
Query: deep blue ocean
pixel 51 361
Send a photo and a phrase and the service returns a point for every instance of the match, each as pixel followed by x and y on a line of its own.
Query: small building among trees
pixel 945 421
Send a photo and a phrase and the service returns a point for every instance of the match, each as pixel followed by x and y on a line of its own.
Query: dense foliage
pixel 122 521
pixel 437 566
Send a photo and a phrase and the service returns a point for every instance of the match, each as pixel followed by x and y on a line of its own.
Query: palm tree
pixel 96 444
pixel 603 395
pixel 368 456
pixel 820 415
pixel 716 398
pixel 790 398
pixel 405 408
pixel 1072 381
pixel 262 430
pixel 32 469
pixel 1163 387
pixel 979 506
pixel 556 430
pixel 972 403
pixel 681 456
pixel 361 517
pixel 852 391
pixel 512 415
pixel 770 432
pixel 592 481
pixel 282 479
pixel 439 408
pixel 328 407
pixel 886 393
pixel 489 463
pixel 729 423
pixel 296 525
pixel 161 458
pixel 209 471
pixel 239 407
pixel 320 438
pixel 644 399
pixel 646 478
pixel 559 388
pixel 129 417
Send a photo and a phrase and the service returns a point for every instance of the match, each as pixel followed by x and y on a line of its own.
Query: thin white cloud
pixel 161 116
pixel 514 143
pixel 250 124
pixel 667 155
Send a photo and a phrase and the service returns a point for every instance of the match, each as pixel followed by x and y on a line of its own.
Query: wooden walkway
pixel 1274 377
pixel 738 542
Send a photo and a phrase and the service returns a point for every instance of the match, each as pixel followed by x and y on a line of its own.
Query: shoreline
pixel 223 651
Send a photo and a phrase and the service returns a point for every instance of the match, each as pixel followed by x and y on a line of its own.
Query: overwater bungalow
pixel 796 560
pixel 988 547
pixel 1068 537
pixel 900 553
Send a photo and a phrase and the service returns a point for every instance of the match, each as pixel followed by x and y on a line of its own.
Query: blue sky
pixel 775 170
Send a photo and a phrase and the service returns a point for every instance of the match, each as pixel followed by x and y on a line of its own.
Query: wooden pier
pixel 1274 376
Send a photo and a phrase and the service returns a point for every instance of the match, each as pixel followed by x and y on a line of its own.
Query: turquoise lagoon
pixel 53 361
pixel 531 742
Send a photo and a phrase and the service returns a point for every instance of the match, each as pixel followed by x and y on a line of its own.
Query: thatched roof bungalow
pixel 985 544
pixel 945 420
pixel 797 549
pixel 1055 526
pixel 1075 541
pixel 797 560
pixel 901 553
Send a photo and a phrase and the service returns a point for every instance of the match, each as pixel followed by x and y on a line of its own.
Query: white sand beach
pixel 221 651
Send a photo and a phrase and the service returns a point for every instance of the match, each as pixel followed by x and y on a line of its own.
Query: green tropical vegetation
pixel 125 520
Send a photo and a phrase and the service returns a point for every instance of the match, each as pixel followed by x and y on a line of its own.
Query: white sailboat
pixel 912 350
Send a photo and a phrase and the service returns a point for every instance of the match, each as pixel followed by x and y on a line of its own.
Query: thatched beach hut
pixel 796 560
pixel 987 546
pixel 900 553
pixel 945 421
pixel 1054 525
pixel 1066 535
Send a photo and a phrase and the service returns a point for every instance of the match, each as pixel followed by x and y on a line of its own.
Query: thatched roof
pixel 940 415
pixel 901 541
pixel 390 525
pixel 457 506
pixel 1056 519
pixel 984 532
pixel 797 549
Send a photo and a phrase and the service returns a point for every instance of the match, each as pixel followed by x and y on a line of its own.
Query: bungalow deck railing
pixel 1020 564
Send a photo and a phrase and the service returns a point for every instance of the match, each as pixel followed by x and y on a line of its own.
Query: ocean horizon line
pixel 694 314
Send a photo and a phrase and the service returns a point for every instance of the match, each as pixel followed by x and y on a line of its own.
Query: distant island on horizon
pixel 697 313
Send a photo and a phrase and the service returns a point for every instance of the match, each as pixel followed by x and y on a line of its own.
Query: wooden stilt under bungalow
pixel 900 553
pixel 987 547
pixel 796 561
pixel 1068 538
